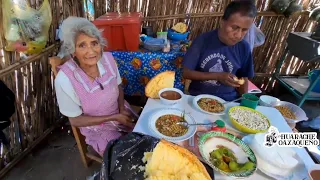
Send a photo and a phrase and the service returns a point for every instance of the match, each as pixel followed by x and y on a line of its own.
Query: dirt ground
pixel 57 158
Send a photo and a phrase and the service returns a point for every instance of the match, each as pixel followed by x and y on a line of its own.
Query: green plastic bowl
pixel 250 101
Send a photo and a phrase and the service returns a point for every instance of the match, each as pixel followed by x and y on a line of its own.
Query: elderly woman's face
pixel 88 50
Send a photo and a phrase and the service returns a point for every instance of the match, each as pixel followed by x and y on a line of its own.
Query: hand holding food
pixel 239 80
pixel 125 112
pixel 228 79
pixel 123 119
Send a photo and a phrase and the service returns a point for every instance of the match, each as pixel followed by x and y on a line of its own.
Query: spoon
pixel 197 124
pixel 232 101
pixel 213 124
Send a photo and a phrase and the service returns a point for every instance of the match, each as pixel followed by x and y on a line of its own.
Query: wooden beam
pixel 199 15
pixel 270 75
pixel 213 14
pixel 21 155
pixel 27 61
pixel 93 157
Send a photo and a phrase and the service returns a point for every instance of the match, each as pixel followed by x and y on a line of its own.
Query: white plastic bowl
pixel 170 102
pixel 188 118
pixel 268 101
pixel 298 112
pixel 197 98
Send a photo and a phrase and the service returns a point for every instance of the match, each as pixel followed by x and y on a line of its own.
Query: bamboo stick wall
pixel 205 16
pixel 31 80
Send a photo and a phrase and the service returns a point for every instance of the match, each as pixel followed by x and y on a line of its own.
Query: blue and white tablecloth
pixel 137 68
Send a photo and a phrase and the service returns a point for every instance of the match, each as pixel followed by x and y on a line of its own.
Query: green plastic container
pixel 250 101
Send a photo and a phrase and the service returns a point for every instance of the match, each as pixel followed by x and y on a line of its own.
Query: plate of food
pixel 291 112
pixel 248 120
pixel 227 154
pixel 164 124
pixel 209 104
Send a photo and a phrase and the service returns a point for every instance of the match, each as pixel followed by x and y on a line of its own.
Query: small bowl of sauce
pixel 170 96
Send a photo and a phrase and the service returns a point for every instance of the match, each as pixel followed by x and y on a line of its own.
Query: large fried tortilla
pixel 170 161
pixel 160 81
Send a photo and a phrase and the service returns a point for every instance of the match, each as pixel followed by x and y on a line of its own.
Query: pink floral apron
pixel 97 102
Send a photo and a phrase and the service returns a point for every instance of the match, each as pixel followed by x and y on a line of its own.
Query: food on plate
pixel 250 119
pixel 160 81
pixel 210 105
pixel 224 159
pixel 180 27
pixel 170 161
pixel 239 80
pixel 167 125
pixel 286 112
pixel 170 95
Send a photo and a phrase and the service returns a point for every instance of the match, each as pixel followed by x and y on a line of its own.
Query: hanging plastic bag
pixel 254 37
pixel 26 29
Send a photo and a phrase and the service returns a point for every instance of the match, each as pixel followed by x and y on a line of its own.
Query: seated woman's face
pixel 87 50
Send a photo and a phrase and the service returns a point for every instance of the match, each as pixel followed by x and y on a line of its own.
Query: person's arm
pixel 243 88
pixel 121 99
pixel 200 76
pixel 69 106
pixel 247 69
pixel 191 60
pixel 83 121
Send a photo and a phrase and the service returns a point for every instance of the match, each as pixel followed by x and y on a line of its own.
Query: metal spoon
pixel 232 101
pixel 197 124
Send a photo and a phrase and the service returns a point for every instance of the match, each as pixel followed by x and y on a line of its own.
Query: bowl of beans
pixel 248 120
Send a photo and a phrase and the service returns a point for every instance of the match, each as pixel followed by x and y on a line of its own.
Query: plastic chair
pixel 86 156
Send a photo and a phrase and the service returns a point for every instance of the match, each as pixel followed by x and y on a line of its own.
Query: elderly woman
pixel 88 85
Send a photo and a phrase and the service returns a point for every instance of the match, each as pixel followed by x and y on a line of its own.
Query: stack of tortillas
pixel 160 81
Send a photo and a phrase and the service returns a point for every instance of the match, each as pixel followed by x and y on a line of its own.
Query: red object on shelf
pixel 121 30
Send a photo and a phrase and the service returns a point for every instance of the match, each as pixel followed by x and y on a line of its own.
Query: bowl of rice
pixel 248 120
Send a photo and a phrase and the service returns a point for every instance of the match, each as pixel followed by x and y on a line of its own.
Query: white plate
pixel 197 98
pixel 191 129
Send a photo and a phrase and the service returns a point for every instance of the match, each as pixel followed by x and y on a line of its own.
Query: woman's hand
pixel 125 112
pixel 228 79
pixel 123 119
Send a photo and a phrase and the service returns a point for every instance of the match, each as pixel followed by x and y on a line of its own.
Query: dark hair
pixel 246 8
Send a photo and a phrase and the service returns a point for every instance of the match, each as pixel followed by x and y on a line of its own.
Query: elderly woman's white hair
pixel 71 28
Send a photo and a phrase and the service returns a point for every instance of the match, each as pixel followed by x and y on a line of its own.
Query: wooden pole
pixel 23 63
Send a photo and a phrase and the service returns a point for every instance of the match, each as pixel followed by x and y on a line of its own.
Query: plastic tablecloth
pixel 276 119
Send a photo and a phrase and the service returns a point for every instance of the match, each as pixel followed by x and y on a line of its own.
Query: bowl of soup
pixel 170 96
